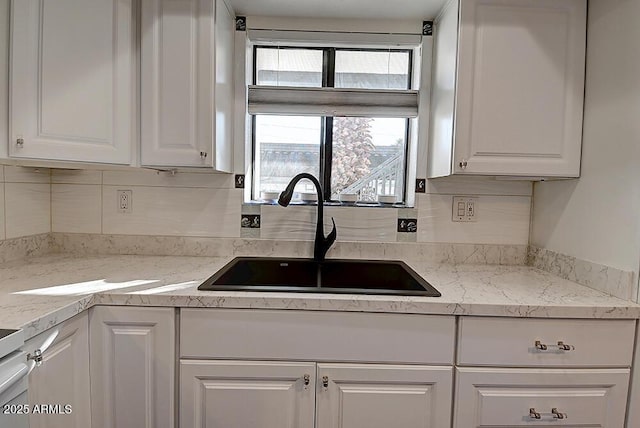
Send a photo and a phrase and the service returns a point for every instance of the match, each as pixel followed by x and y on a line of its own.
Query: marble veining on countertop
pixel 40 292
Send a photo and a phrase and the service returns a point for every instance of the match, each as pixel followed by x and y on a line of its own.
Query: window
pixel 341 114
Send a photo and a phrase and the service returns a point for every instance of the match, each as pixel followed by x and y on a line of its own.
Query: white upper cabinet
pixel 72 90
pixel 508 88
pixel 187 83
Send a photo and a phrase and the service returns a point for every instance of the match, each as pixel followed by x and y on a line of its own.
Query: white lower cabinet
pixel 268 394
pixel 493 397
pixel 132 367
pixel 62 379
pixel 382 396
pixel 547 372
pixel 306 369
pixel 247 394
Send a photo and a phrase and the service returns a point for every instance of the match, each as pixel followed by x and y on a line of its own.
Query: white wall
pixel 597 218
pixel 25 201
pixel 208 205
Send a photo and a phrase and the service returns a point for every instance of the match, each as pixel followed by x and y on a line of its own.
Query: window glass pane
pixel 372 69
pixel 285 147
pixel 289 67
pixel 368 157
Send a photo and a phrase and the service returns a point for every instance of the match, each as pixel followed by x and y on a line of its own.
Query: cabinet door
pixel 132 367
pixel 528 397
pixel 520 87
pixel 72 80
pixel 63 377
pixel 382 396
pixel 247 394
pixel 180 77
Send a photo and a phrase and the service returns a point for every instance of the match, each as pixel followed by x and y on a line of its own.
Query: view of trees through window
pixel 364 165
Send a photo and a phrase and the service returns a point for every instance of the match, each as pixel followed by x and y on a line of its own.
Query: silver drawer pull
pixel 564 347
pixel 557 415
pixel 540 346
pixel 561 346
pixel 306 379
pixel 325 381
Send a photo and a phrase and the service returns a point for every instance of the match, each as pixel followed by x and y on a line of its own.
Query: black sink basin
pixel 329 276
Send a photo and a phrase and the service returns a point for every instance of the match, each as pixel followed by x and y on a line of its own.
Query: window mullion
pixel 328 80
pixel 331 67
pixel 328 156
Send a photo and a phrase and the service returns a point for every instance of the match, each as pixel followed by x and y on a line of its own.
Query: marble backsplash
pixel 615 282
pixel 25 246
pixel 429 253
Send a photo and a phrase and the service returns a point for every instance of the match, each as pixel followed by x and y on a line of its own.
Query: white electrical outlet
pixel 465 208
pixel 125 201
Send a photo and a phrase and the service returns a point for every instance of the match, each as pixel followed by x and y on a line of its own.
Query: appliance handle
pixel 19 372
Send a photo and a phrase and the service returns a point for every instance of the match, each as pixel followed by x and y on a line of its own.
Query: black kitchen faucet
pixel 322 244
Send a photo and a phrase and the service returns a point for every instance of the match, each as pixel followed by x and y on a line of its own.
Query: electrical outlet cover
pixel 464 209
pixel 125 201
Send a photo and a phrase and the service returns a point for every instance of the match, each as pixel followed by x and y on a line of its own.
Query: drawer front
pixel 512 342
pixel 316 336
pixel 541 397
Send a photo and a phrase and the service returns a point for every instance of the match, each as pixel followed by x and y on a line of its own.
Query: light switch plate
pixel 464 209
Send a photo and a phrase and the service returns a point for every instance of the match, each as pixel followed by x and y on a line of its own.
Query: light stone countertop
pixel 38 293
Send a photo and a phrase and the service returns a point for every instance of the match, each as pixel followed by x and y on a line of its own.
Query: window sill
pixel 334 204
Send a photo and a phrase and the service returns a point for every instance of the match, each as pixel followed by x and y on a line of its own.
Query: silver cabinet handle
pixel 463 164
pixel 540 346
pixel 325 381
pixel 561 346
pixel 557 415
pixel 564 347
pixel 20 142
pixel 36 357
pixel 306 379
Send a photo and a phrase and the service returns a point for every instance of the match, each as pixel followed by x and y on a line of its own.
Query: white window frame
pixel 416 158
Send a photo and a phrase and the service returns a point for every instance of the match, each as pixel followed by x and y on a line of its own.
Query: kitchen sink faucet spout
pixel 322 243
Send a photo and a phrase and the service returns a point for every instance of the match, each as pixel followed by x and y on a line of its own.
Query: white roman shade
pixel 332 102
pixel 329 101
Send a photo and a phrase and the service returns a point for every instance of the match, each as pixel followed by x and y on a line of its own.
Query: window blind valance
pixel 332 102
